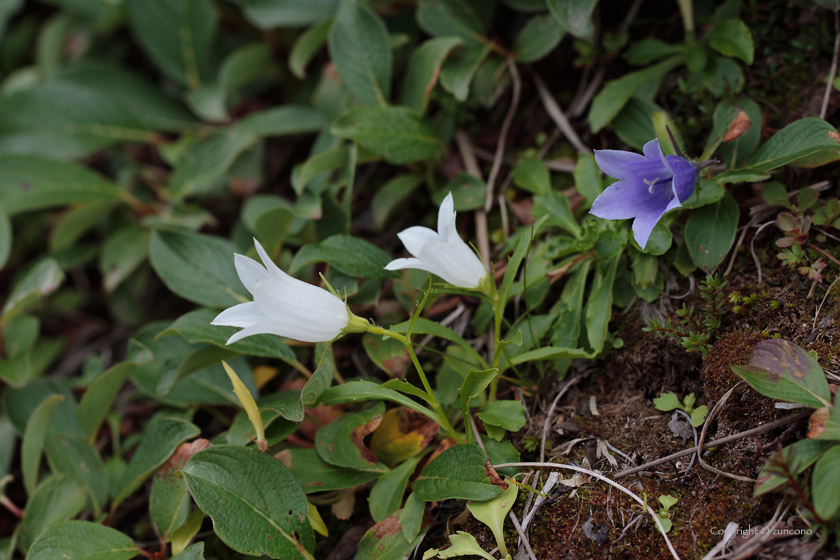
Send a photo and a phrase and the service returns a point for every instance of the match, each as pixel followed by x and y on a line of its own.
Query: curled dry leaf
pixel 738 127
pixel 833 135
pixel 360 433
pixel 495 479
pixel 182 455
pixel 818 421
pixel 402 434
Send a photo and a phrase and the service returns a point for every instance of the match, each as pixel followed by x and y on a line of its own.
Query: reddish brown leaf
pixel 738 127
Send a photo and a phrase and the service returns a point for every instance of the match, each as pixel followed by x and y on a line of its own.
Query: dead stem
pixel 715 443
pixel 602 478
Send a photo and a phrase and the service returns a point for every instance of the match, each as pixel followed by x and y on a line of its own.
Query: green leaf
pixel 532 175
pixel 474 384
pixel 42 279
pixel 451 18
pixel 356 391
pixel 360 49
pixel 516 259
pixel 737 152
pixel 463 544
pixel 387 494
pixel 205 162
pixel 82 540
pixel 195 552
pixel 667 401
pixel 395 134
pixel 710 232
pixel 412 516
pixel 539 37
pixel 744 175
pixel 386 541
pixel 313 474
pixel 459 472
pixel 698 415
pixel 71 455
pixel 616 93
pixel 799 456
pixel 350 255
pixel 425 326
pixel 642 53
pixel 88 106
pixel 178 35
pixel 779 369
pixel 705 192
pixel 574 16
pixel 268 14
pixel 8 444
pixel 391 196
pixel 732 38
pixel 341 442
pixel 423 71
pixel 825 484
pixel 160 440
pixel 256 505
pixel 182 536
pixel 493 513
pixel 33 441
pixel 554 207
pixel 321 379
pixel 56 499
pixel 808 142
pixel 634 123
pixel 307 46
pixel 195 327
pixel 323 162
pixel 122 254
pixel 387 353
pixel 5 237
pixel 283 120
pixel 169 501
pixel 96 403
pixel 34 183
pixel 599 307
pixel 458 71
pixel 197 267
pixel 506 414
pixel 549 353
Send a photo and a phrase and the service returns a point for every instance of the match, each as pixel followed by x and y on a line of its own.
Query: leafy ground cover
pixel 516 278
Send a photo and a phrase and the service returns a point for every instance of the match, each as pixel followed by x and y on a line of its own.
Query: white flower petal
pixel 399 264
pixel 415 237
pixel 282 305
pixel 250 271
pixel 446 215
pixel 272 268
pixel 242 315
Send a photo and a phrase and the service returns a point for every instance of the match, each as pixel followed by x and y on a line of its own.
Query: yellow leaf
pixel 316 521
pixel 248 404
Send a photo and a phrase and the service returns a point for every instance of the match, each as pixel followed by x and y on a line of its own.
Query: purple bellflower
pixel 649 185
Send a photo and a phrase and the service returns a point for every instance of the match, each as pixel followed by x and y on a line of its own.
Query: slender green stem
pixel 444 421
pixel 498 312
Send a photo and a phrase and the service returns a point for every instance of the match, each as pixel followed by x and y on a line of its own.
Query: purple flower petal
pixel 617 163
pixel 652 150
pixel 623 200
pixel 685 176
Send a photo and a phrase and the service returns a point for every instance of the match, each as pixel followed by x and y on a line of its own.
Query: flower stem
pixel 444 421
pixel 498 311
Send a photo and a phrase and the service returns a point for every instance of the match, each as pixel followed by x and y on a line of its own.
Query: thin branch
pixel 708 421
pixel 500 146
pixel 715 443
pixel 559 118
pixel 831 73
pixel 752 247
pixel 603 478
pixel 817 314
pixel 548 416
pixel 465 148
pixel 522 536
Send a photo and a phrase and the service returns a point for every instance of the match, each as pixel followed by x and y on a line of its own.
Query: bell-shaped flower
pixel 649 185
pixel 285 306
pixel 442 252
